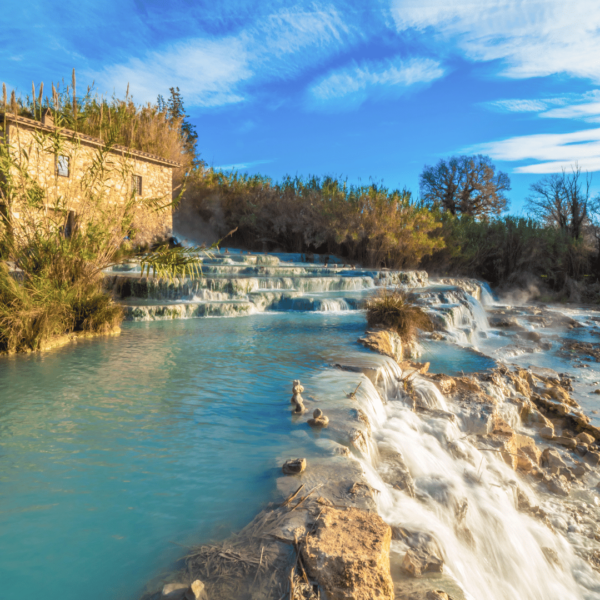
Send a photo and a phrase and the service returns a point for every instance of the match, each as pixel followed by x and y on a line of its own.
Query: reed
pixel 393 309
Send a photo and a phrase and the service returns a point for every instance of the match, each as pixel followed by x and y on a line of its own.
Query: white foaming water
pixel 332 305
pixel 487 296
pixel 492 551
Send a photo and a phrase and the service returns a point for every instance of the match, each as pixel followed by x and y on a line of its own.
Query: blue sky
pixel 364 89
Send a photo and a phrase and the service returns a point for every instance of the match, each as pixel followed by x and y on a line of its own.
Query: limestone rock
pixel 319 419
pixel 547 433
pixel 567 442
pixel 444 383
pixel 592 458
pixel 558 485
pixel 196 591
pixel 294 466
pixel 348 555
pixel 384 342
pixel 527 445
pixel 417 561
pixel 297 399
pixel 552 459
pixel 585 438
pixel 437 595
pixel 174 591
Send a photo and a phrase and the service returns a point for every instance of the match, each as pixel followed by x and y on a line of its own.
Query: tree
pixel 562 201
pixel 467 185
pixel 175 109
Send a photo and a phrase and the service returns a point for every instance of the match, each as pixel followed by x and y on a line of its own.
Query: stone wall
pixel 41 145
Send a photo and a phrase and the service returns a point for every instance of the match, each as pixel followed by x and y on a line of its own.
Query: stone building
pixel 59 159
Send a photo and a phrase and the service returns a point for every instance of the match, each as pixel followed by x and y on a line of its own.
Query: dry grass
pixel 393 309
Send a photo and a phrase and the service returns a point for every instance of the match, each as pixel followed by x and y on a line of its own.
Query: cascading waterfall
pixel 465 498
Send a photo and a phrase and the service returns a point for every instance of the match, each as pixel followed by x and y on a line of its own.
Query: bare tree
pixel 466 185
pixel 562 201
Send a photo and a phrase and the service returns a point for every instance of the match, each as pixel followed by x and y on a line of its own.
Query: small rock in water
pixel 319 419
pixel 196 591
pixel 294 466
pixel 551 556
pixel 297 399
pixel 547 433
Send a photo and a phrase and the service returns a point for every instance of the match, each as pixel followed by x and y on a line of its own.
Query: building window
pixel 136 184
pixel 63 166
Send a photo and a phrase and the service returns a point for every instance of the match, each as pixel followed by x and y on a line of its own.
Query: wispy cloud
pixel 582 107
pixel 553 152
pixel 214 71
pixel 519 106
pixel 242 165
pixel 350 86
pixel 533 38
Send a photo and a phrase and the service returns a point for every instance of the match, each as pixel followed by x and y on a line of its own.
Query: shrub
pixel 393 309
pixel 369 223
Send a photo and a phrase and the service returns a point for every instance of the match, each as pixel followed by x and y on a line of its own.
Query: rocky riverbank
pixel 428 486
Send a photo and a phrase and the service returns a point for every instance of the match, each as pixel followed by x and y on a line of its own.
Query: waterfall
pixel 466 499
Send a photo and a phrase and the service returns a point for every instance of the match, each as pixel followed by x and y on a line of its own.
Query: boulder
pixel 592 458
pixel 417 561
pixel 567 442
pixel 526 445
pixel 552 459
pixel 585 438
pixel 558 485
pixel 294 466
pixel 547 433
pixel 349 555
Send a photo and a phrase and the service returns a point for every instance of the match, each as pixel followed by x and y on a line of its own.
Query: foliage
pixel 499 249
pixel 54 285
pixel 370 223
pixel 394 310
pixel 152 128
pixel 467 185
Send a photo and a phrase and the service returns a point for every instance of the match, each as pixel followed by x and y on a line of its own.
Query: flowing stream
pixel 116 452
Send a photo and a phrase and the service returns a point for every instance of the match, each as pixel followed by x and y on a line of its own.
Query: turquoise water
pixel 114 451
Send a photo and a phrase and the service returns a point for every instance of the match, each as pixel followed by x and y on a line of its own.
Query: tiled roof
pixel 88 139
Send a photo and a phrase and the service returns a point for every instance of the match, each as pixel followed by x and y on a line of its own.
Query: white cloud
pixel 242 165
pixel 553 151
pixel 518 105
pixel 533 38
pixel 352 85
pixel 212 71
pixel 589 112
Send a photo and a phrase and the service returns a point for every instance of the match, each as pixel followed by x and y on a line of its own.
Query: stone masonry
pixel 81 150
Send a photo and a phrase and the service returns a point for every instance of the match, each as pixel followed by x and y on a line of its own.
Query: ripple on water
pixel 114 448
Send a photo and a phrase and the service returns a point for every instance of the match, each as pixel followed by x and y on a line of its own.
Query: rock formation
pixel 348 555
pixel 297 400
pixel 294 466
pixel 319 419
